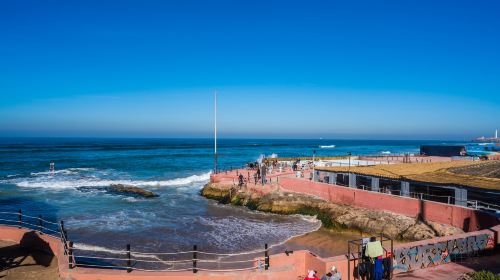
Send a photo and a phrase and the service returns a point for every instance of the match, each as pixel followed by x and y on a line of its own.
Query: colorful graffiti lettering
pixel 424 256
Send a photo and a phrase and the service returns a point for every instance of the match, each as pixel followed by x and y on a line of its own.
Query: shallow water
pixel 176 169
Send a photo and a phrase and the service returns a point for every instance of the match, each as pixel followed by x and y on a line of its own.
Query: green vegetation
pixel 321 214
pixel 483 275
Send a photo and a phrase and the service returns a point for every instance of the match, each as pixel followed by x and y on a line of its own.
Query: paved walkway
pixel 17 263
pixel 455 270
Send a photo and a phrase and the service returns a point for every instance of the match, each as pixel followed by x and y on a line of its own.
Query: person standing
pixel 375 251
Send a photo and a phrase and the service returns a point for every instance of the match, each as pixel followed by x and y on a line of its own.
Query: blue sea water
pixel 176 169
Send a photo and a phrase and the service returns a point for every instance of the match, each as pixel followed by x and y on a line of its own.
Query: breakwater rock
pixel 333 216
pixel 132 190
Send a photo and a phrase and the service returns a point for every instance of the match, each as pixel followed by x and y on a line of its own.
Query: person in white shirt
pixel 332 275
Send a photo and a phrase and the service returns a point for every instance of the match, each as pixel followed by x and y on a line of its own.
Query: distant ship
pixel 488 139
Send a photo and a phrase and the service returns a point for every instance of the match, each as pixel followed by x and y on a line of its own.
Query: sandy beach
pixel 325 242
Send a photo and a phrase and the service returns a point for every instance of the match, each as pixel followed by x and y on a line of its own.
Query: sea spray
pixel 74 178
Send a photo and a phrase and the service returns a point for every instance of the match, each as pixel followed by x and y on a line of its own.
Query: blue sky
pixel 302 69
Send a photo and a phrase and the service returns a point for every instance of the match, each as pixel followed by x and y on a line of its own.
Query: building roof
pixel 476 174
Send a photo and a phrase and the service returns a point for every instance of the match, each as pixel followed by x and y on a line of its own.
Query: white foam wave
pixel 232 232
pixel 327 146
pixel 132 199
pixel 61 182
pixel 386 152
pixel 93 248
pixel 262 156
pixel 67 171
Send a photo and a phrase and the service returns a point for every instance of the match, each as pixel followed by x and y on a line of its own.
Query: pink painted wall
pixel 462 217
pixel 293 266
pixel 281 265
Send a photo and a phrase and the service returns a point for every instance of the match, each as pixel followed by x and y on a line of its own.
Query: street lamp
pixel 349 154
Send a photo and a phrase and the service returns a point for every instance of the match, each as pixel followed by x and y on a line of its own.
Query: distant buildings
pixel 488 139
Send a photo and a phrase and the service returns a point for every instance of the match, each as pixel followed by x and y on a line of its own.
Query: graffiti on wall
pixel 428 255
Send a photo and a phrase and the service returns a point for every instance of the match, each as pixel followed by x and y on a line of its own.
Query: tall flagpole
pixel 215 133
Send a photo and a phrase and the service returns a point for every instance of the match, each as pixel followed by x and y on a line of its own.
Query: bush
pixel 483 275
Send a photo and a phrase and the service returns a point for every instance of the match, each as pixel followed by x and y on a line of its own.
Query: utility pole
pixel 314 165
pixel 215 132
pixel 349 162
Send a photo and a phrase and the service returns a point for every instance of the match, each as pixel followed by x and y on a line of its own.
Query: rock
pixel 418 231
pixel 332 216
pixel 127 189
pixel 444 230
pixel 221 194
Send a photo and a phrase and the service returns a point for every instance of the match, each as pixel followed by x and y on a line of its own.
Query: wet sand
pixel 327 243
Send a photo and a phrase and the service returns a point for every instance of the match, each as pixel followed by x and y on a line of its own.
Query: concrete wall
pixel 437 251
pixel 455 215
pixel 294 266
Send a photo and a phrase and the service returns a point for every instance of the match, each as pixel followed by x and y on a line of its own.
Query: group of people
pixel 333 274
pixel 372 265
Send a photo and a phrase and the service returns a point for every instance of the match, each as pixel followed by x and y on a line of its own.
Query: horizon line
pixel 234 138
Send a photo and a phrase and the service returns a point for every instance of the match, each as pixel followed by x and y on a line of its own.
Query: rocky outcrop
pixel 331 215
pixel 132 190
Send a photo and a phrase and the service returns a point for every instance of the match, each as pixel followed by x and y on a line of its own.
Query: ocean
pixel 176 169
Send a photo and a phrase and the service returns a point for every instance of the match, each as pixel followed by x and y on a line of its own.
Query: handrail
pixel 139 257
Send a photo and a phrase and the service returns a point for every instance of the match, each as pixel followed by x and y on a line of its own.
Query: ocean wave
pixel 386 152
pixel 62 171
pixel 262 157
pixel 46 180
pixel 327 146
pixel 132 199
pixel 233 233
pixel 94 248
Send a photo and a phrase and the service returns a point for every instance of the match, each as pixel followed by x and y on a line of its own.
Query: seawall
pixel 278 200
pixel 282 266
pixel 462 217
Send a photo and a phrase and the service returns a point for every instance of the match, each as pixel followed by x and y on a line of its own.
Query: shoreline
pixel 327 243
pixel 336 217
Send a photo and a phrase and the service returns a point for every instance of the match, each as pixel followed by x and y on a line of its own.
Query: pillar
pixel 333 178
pixel 375 184
pixel 263 172
pixel 352 180
pixel 460 197
pixel 405 188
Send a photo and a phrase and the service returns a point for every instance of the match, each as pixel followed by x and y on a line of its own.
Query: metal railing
pixel 192 260
pixel 21 220
pixel 474 204
pixel 355 257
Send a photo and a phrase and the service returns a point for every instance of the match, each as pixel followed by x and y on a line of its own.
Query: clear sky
pixel 302 69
